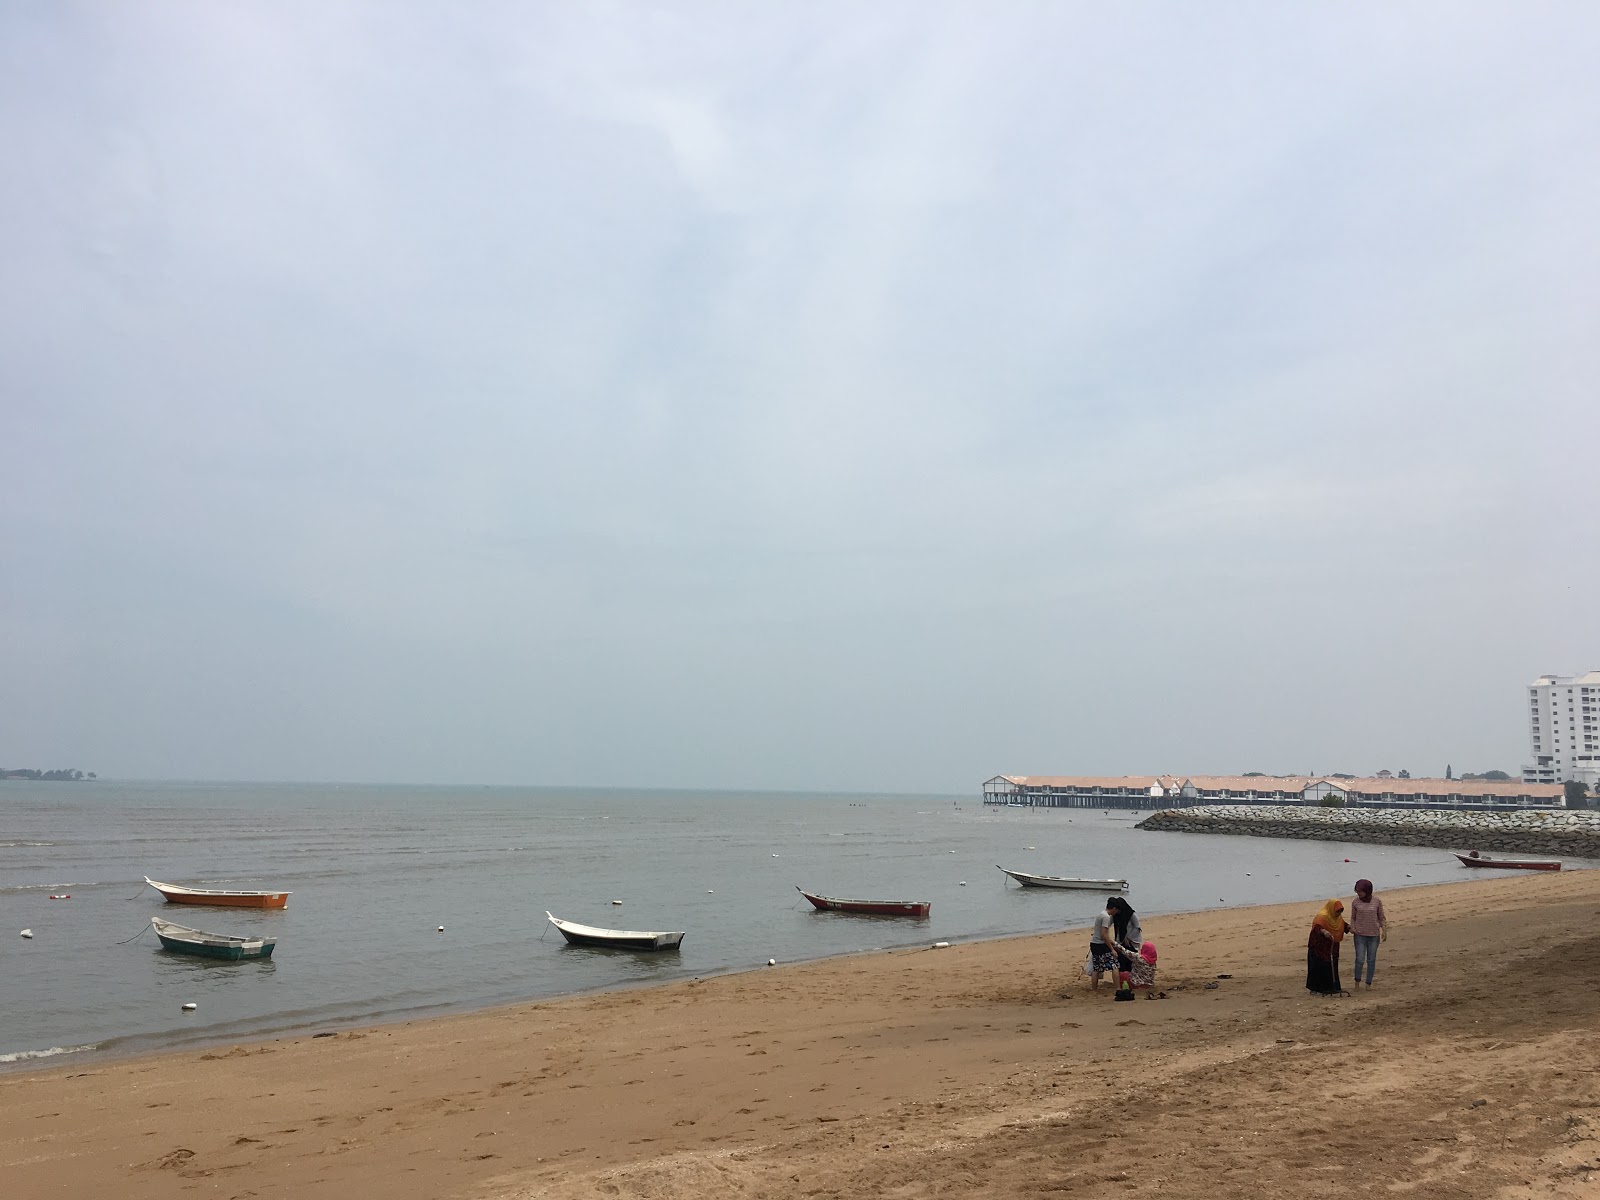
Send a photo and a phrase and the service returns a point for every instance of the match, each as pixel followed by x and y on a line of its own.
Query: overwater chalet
pixel 1181 791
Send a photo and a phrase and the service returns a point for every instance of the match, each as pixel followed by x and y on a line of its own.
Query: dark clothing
pixel 1322 963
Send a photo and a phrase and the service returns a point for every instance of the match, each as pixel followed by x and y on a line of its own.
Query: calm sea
pixel 374 870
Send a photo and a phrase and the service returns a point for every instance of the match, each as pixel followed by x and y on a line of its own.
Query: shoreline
pixel 45 1060
pixel 838 1076
pixel 107 1051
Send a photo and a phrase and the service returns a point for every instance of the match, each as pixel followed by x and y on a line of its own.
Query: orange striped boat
pixel 223 898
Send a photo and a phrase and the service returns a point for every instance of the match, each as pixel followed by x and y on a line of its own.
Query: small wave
pixel 21 1055
pixel 39 887
pixel 18 845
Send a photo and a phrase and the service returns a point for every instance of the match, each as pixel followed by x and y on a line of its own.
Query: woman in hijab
pixel 1129 933
pixel 1322 950
pixel 1368 925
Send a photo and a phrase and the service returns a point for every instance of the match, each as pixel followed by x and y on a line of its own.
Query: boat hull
pixel 1026 879
pixel 870 908
pixel 219 898
pixel 1510 864
pixel 212 945
pixel 616 939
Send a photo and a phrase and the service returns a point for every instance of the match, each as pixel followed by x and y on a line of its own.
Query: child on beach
pixel 1144 966
pixel 1368 925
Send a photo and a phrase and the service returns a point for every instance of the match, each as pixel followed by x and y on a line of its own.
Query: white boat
pixel 622 939
pixel 1027 879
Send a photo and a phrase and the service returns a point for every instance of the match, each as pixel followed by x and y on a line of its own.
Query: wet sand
pixel 985 1069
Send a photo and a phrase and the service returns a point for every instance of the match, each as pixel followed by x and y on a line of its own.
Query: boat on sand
pixel 184 940
pixel 617 939
pixel 871 908
pixel 219 897
pixel 1029 879
pixel 1474 859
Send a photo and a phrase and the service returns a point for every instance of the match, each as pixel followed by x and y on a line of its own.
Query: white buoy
pixel 616 902
pixel 709 892
pixel 27 933
pixel 190 1007
pixel 774 854
pixel 441 929
pixel 772 962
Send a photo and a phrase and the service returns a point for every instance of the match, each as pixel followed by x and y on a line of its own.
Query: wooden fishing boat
pixel 1028 879
pixel 873 908
pixel 220 897
pixel 1510 864
pixel 211 945
pixel 619 939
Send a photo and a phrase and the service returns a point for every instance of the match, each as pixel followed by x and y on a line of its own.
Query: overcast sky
pixel 793 395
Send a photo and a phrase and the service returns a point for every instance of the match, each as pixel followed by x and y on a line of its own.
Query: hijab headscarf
pixel 1121 913
pixel 1148 953
pixel 1331 918
pixel 1364 888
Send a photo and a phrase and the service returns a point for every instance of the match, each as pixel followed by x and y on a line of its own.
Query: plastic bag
pixel 1088 964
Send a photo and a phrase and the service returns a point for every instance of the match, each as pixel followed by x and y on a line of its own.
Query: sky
pixel 796 396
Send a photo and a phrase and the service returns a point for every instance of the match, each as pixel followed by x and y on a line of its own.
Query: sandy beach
pixel 985 1069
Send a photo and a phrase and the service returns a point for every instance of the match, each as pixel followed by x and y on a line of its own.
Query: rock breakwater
pixel 1556 832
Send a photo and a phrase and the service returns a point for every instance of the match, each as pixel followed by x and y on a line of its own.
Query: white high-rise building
pixel 1564 729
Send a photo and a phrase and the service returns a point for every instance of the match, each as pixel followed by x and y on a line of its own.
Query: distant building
pixel 1175 791
pixel 1564 729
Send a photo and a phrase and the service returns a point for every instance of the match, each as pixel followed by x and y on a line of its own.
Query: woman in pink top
pixel 1368 924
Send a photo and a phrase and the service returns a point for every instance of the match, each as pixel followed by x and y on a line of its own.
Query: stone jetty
pixel 1552 831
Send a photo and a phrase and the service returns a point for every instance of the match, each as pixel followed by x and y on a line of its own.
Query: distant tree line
pixel 61 775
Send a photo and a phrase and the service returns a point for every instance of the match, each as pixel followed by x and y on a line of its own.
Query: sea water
pixel 375 870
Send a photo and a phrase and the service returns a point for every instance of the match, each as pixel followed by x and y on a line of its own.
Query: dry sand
pixel 979 1070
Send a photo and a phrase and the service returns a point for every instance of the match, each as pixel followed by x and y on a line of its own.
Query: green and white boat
pixel 211 945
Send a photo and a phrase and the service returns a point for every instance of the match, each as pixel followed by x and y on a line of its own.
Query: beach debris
pixel 441 929
pixel 774 854
pixel 1247 874
pixel 709 892
pixel 1479 1103
pixel 772 962
pixel 1032 847
pixel 190 1006
pixel 1212 986
pixel 325 1033
pixel 616 902
pixel 67 897
pixel 963 883
pixel 941 945
pixel 27 933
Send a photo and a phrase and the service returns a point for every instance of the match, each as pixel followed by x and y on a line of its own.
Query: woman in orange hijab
pixel 1322 950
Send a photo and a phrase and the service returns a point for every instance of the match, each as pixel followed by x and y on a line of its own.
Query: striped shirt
pixel 1366 917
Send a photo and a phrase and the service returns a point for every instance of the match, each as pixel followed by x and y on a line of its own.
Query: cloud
pixel 818 369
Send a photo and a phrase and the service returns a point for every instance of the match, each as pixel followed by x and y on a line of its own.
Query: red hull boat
pixel 1510 864
pixel 871 908
pixel 218 897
